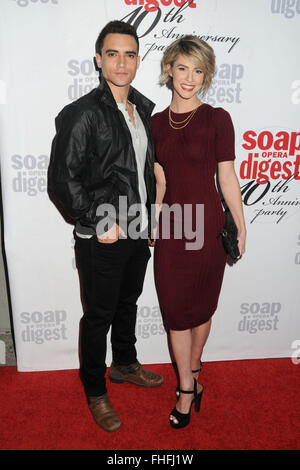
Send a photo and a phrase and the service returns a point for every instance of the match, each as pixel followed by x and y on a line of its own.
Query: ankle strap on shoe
pixel 197 370
pixel 190 391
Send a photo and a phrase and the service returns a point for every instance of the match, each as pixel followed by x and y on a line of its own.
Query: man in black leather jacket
pixel 103 151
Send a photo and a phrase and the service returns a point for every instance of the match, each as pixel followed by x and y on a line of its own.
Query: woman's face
pixel 187 78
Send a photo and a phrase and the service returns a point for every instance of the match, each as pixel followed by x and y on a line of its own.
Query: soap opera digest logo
pixel 149 322
pixel 25 3
pixel 287 8
pixel 158 28
pixel 269 174
pixel 259 317
pixel 40 327
pixel 226 85
pixel 30 174
pixel 153 5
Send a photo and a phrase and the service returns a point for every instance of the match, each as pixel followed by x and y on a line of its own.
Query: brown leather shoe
pixel 135 374
pixel 103 413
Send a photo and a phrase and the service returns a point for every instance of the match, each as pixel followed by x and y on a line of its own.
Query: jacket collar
pixel 143 104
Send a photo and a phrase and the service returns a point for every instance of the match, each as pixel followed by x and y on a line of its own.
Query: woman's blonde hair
pixel 195 49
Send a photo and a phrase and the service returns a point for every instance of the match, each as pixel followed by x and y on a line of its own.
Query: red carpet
pixel 246 405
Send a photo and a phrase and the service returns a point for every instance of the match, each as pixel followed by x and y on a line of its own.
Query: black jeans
pixel 112 278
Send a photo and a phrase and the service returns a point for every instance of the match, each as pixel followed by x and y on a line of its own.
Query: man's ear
pixel 98 59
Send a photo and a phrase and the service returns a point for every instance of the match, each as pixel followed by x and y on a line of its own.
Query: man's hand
pixel 112 235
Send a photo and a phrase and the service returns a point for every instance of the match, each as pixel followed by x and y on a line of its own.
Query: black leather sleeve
pixel 68 162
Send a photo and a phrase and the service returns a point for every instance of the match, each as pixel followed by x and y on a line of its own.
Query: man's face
pixel 119 59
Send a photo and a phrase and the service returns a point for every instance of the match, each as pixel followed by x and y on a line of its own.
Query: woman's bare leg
pixel 199 337
pixel 181 342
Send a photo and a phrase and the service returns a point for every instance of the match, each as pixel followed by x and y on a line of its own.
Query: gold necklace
pixel 185 122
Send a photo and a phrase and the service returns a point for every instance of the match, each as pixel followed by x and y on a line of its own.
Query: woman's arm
pixel 160 186
pixel 160 192
pixel 232 194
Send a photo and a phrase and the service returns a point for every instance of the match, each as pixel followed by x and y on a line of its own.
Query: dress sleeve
pixel 224 148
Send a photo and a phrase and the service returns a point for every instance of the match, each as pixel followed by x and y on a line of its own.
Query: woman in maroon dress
pixel 192 141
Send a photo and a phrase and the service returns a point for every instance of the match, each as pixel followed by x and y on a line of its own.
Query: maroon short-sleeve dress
pixel 188 282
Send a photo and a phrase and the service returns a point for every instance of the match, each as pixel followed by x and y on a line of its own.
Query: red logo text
pixel 153 5
pixel 271 156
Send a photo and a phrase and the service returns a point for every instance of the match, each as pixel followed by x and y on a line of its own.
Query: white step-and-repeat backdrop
pixel 46 61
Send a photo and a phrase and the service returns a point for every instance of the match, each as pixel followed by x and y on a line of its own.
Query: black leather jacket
pixel 92 157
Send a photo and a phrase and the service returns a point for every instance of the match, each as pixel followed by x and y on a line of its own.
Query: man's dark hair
pixel 115 27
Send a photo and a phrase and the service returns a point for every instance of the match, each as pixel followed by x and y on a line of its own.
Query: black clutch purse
pixel 229 236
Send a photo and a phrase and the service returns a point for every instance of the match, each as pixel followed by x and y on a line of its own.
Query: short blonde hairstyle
pixel 196 50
